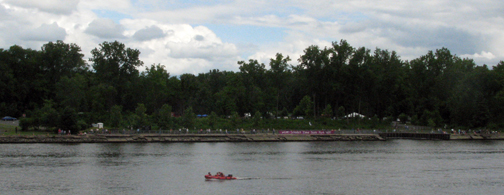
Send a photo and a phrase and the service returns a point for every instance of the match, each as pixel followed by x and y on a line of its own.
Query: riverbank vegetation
pixel 56 88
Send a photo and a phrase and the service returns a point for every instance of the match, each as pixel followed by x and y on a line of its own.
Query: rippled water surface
pixel 390 167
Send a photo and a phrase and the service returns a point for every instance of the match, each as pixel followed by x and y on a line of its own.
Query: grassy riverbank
pixel 147 138
pixel 9 128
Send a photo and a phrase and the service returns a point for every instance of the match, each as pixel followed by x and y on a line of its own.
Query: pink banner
pixel 304 132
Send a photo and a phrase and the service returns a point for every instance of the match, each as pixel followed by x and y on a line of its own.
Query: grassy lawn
pixel 7 128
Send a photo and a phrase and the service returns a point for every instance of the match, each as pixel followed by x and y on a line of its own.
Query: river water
pixel 381 167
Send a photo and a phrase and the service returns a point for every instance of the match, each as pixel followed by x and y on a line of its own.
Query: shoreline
pixel 169 138
pixel 148 138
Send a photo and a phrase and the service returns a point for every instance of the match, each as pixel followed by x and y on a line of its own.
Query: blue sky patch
pixel 115 16
pixel 247 33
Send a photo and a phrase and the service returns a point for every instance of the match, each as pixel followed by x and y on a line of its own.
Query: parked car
pixel 9 118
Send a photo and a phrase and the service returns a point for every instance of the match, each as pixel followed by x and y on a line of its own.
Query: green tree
pixel 60 60
pixel 235 120
pixel 188 88
pixel 102 98
pixel 279 74
pixel 116 116
pixel 69 120
pixel 116 65
pixel 48 116
pixel 341 112
pixel 305 107
pixel 155 82
pixel 338 76
pixel 142 117
pixel 188 118
pixel 311 67
pixel 212 119
pixel 28 85
pixel 164 118
pixel 284 112
pixel 71 92
pixel 257 119
pixel 327 111
pixel 403 118
pixel 253 77
pixel 230 97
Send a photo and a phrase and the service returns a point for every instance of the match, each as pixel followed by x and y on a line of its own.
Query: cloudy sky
pixel 192 36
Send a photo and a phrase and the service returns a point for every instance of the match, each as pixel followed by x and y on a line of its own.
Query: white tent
pixel 354 114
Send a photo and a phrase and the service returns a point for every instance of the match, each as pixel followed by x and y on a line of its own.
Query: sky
pixel 191 36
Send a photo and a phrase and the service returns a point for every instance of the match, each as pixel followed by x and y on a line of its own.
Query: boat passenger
pixel 209 174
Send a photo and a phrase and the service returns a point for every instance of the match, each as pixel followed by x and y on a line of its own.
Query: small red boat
pixel 219 175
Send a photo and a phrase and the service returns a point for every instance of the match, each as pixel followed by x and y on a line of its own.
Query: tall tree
pixel 164 118
pixel 60 60
pixel 155 82
pixel 278 74
pixel 116 116
pixel 71 92
pixel 116 66
pixel 142 117
pixel 253 76
pixel 311 66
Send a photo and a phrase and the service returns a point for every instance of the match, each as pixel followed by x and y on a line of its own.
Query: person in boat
pixel 209 174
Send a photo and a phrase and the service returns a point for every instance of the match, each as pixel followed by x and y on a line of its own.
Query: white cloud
pixel 112 5
pixel 105 28
pixel 185 49
pixel 482 54
pixel 174 33
pixel 293 46
pixel 148 33
pixel 46 33
pixel 65 7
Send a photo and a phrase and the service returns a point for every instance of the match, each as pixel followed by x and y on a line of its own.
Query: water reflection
pixel 392 167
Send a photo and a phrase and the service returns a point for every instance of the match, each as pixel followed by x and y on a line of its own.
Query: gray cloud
pixel 199 38
pixel 3 13
pixel 46 32
pixel 64 7
pixel 210 52
pixel 353 28
pixel 149 33
pixel 105 28
pixel 456 40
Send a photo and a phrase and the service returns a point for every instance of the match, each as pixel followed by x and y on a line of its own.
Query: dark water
pixel 391 167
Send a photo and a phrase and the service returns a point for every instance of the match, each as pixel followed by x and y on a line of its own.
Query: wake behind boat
pixel 220 176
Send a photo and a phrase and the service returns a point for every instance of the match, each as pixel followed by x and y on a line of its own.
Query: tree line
pixel 54 87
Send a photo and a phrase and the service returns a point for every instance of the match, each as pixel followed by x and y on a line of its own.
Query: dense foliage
pixel 55 87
